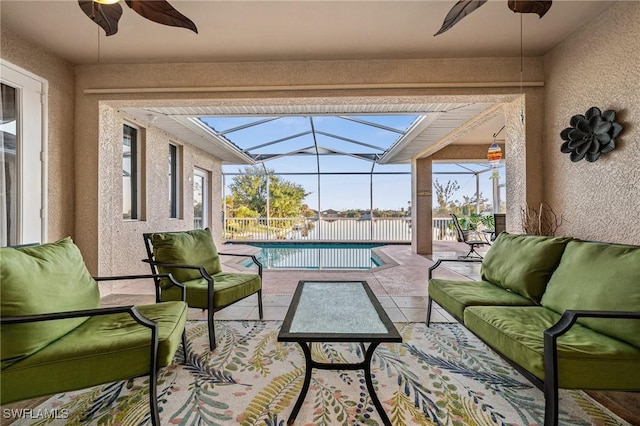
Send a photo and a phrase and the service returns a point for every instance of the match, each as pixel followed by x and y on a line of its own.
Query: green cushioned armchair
pixel 55 338
pixel 193 260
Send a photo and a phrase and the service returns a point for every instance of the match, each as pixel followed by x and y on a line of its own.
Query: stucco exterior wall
pixel 240 77
pixel 121 246
pixel 598 66
pixel 60 77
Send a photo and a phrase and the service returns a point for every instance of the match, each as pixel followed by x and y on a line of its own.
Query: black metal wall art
pixel 590 135
pixel 160 11
pixel 464 7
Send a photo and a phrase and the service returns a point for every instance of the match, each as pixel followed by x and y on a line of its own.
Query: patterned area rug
pixel 442 375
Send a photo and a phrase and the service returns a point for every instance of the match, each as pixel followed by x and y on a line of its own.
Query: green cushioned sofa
pixel 193 260
pixel 55 338
pixel 564 312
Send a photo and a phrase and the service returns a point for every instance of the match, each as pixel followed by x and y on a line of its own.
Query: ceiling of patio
pixel 245 135
pixel 240 30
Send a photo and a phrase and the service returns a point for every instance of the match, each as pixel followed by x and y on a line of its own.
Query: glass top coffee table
pixel 337 311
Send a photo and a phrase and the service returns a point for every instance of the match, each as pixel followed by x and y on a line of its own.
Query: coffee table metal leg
pixel 370 388
pixel 365 365
pixel 307 380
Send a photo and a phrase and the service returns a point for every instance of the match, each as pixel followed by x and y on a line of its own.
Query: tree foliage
pixel 444 195
pixel 249 195
pixel 446 204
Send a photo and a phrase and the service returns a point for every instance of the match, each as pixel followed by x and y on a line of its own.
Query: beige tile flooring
pixel 400 285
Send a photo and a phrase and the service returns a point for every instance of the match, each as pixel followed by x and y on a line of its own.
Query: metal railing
pixel 329 229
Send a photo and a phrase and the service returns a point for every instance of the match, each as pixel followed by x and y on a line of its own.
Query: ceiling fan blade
pixel 530 6
pixel 459 11
pixel 162 12
pixel 105 15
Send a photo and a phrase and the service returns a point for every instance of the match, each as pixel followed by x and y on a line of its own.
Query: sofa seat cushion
pixel 523 264
pixel 600 277
pixel 586 359
pixel 194 247
pixel 228 287
pixel 42 279
pixel 454 296
pixel 103 349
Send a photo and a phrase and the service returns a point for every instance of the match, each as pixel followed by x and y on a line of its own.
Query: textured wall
pixel 599 66
pixel 59 74
pixel 121 247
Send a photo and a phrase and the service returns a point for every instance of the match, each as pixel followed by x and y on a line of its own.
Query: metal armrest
pixel 130 309
pixel 156 281
pixel 439 262
pixel 200 268
pixel 569 317
pixel 203 273
pixel 136 315
pixel 564 324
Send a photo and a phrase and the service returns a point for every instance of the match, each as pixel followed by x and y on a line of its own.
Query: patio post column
pixel 421 202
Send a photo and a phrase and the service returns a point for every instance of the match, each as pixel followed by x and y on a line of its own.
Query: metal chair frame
pixel 211 309
pixel 462 237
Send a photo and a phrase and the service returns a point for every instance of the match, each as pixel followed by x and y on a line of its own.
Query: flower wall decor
pixel 590 135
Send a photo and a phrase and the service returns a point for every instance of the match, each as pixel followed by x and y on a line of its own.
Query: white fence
pixel 329 229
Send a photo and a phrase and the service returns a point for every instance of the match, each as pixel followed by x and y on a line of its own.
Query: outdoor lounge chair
pixel 471 238
pixel 56 338
pixel 193 260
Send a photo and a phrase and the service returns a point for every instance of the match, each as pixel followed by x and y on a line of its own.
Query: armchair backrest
pixel 459 231
pixel 499 223
pixel 194 247
pixel 40 279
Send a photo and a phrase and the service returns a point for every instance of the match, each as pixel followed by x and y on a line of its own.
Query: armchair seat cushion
pixel 228 288
pixel 87 355
pixel 586 359
pixel 454 296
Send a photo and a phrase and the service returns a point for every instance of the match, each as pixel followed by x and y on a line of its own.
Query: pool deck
pixel 400 284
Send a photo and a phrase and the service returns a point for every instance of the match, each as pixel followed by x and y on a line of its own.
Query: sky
pixel 339 191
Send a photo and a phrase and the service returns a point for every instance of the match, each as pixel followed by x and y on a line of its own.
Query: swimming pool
pixel 317 256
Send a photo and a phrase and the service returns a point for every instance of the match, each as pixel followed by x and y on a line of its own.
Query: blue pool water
pixel 316 256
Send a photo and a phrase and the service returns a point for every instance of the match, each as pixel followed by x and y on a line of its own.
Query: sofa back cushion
pixel 602 277
pixel 523 264
pixel 42 279
pixel 187 247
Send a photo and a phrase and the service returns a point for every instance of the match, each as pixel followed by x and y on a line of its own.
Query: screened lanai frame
pixel 362 139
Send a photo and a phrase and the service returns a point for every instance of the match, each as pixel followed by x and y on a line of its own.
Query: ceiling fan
pixel 464 7
pixel 107 13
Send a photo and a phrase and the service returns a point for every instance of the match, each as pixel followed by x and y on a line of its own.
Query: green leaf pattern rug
pixel 441 375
